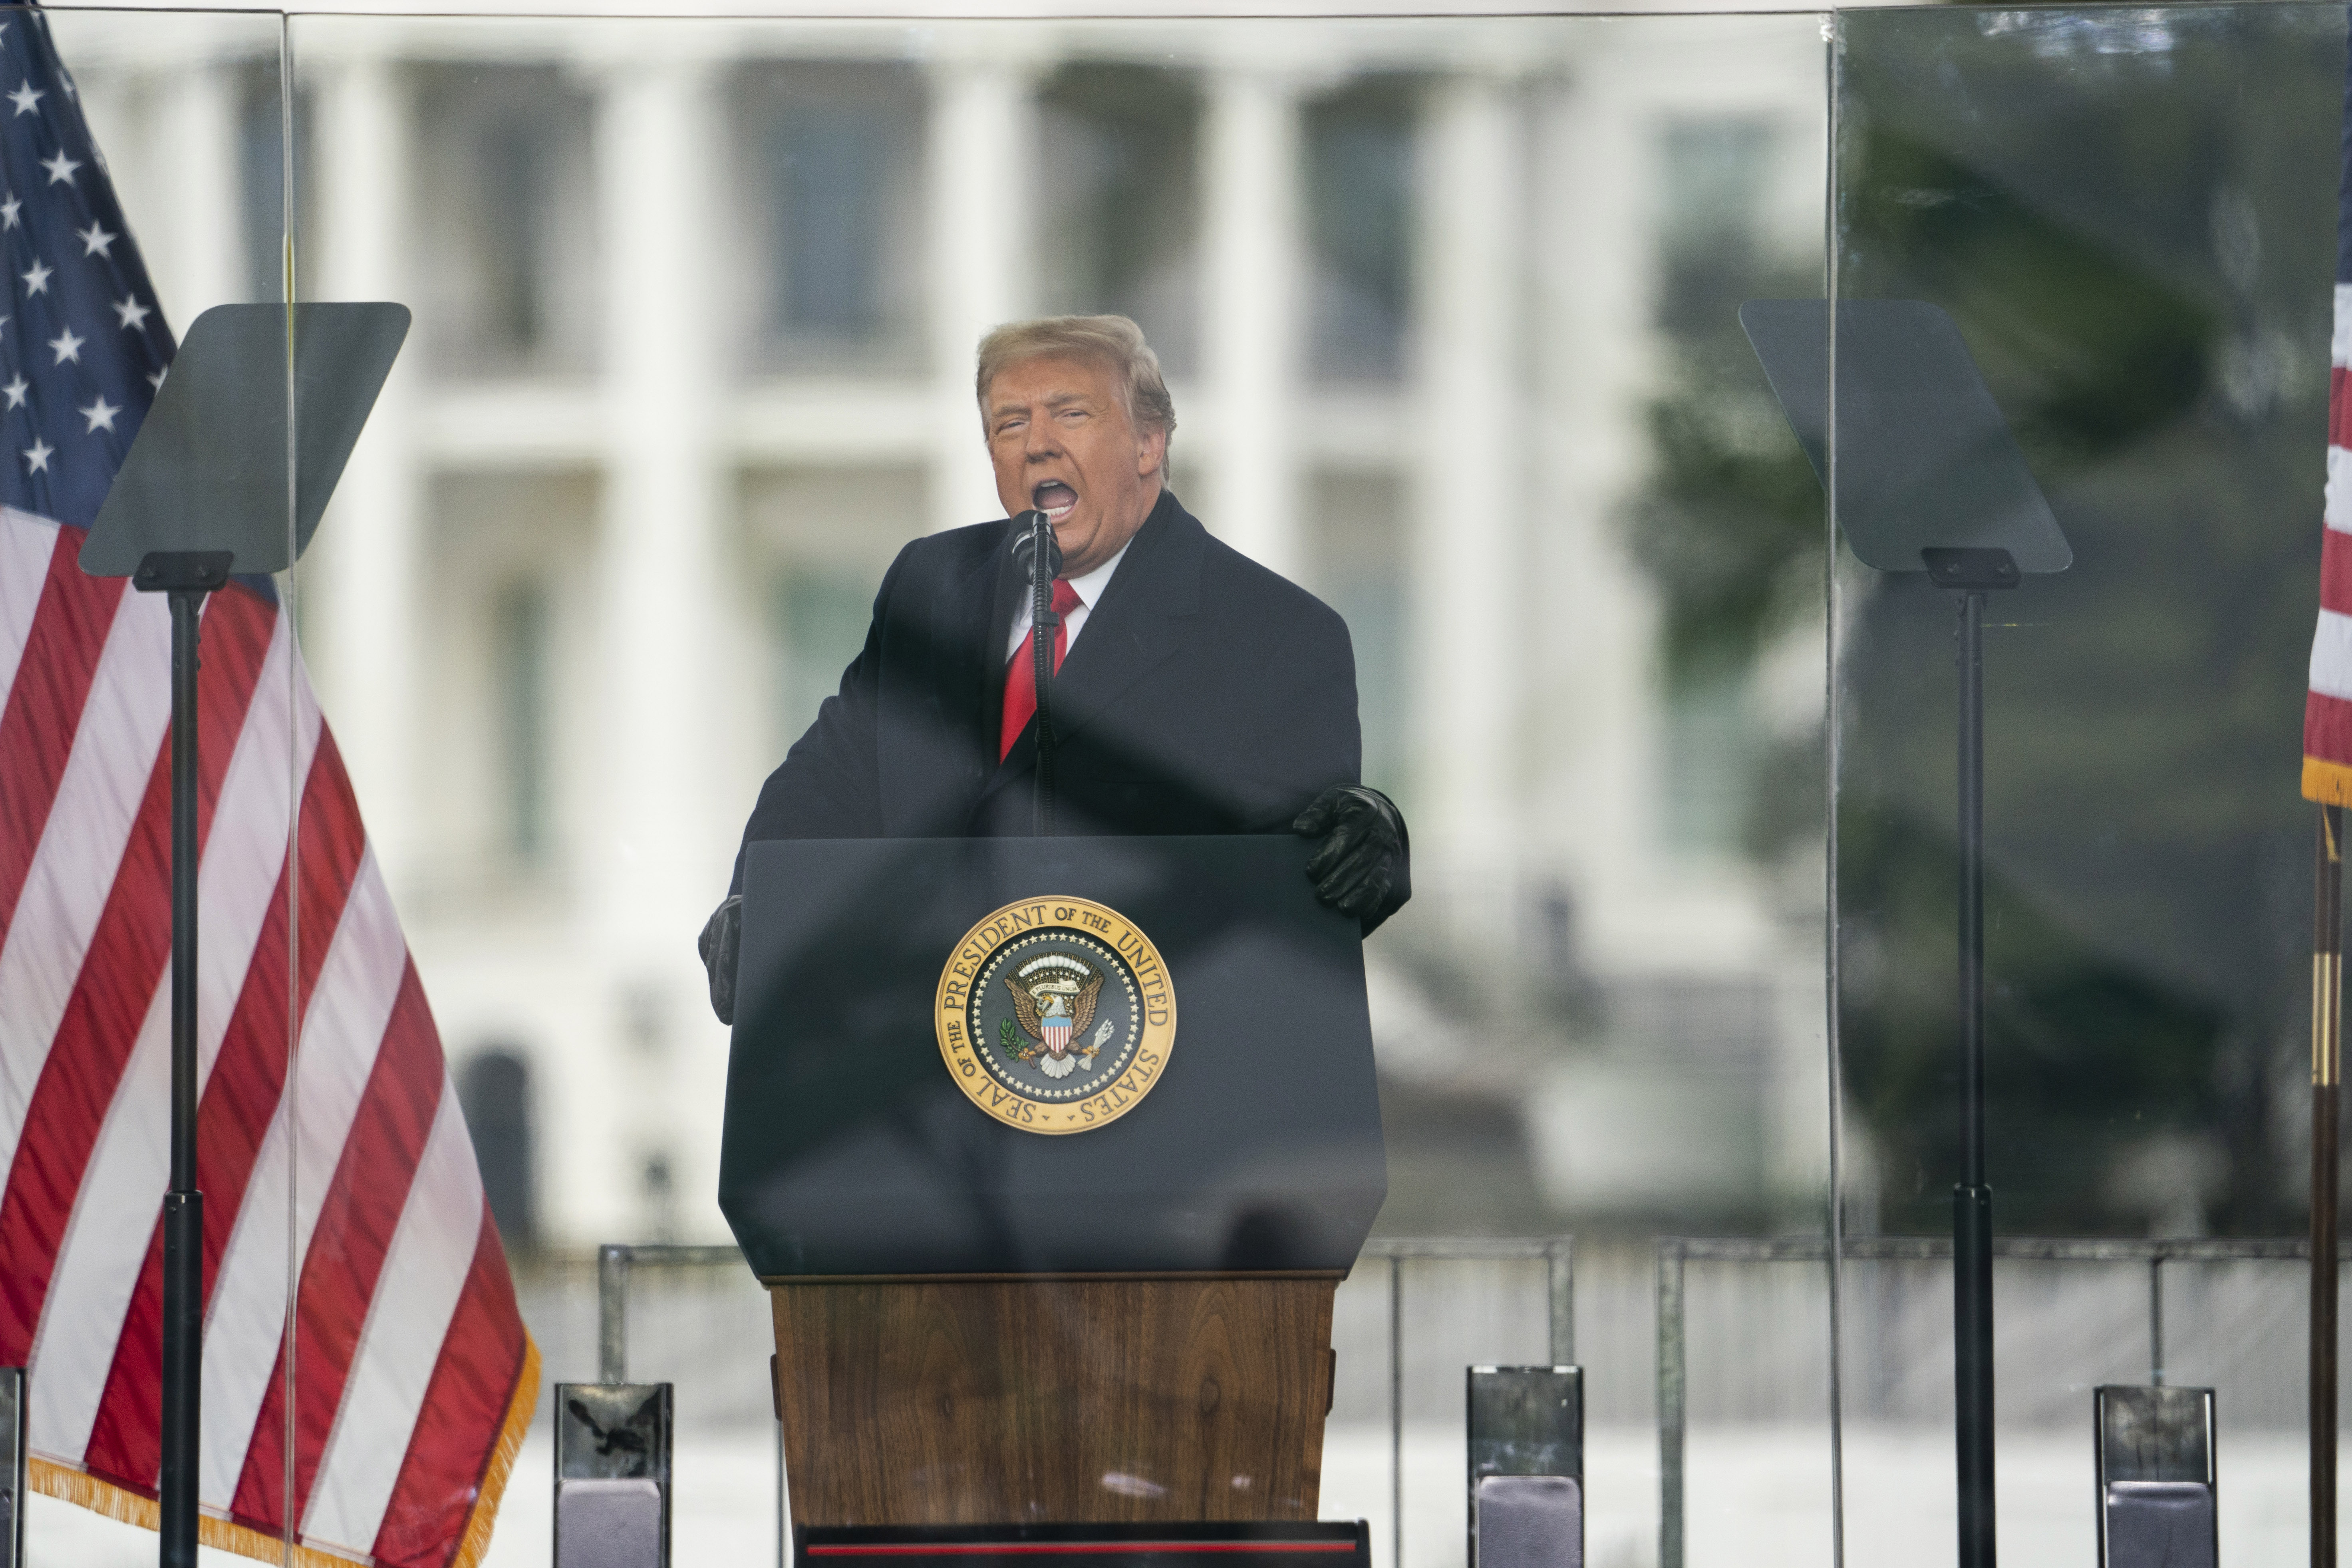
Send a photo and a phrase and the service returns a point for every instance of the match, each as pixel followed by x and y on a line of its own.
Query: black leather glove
pixel 1362 868
pixel 721 934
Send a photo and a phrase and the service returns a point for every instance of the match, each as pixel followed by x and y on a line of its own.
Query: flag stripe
pixel 2337 505
pixel 487 1372
pixel 341 1034
pixel 2331 655
pixel 355 1231
pixel 71 619
pixel 65 887
pixel 85 1058
pixel 343 1168
pixel 126 966
pixel 25 545
pixel 424 1277
pixel 2327 726
pixel 100 1262
pixel 240 1103
pixel 2336 570
pixel 2326 739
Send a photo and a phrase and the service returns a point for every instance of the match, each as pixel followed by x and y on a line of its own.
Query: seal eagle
pixel 1054 997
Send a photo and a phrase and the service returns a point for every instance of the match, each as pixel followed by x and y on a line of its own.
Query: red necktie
pixel 1021 678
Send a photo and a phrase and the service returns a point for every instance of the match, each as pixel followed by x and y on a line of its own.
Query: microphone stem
pixel 1041 643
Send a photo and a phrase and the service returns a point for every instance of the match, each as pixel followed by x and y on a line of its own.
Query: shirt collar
pixel 1090 587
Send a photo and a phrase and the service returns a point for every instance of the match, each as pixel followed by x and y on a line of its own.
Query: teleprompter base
pixel 1071 1398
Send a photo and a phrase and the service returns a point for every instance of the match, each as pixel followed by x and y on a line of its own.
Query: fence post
pixel 1396 1410
pixel 1560 1269
pixel 1671 1386
pixel 612 1314
pixel 2156 1318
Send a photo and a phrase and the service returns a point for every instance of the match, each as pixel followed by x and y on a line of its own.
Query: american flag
pixel 332 1151
pixel 2327 709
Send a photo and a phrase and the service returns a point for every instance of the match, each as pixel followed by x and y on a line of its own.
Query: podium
pixel 1051 1154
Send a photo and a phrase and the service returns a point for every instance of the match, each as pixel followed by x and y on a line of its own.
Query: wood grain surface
pixel 1075 1399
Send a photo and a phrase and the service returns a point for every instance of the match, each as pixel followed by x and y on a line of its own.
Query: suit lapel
pixel 969 680
pixel 1141 621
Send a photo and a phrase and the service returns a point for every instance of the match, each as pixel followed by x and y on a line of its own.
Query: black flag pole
pixel 2326 1078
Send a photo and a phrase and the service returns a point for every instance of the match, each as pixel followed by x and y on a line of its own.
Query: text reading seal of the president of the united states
pixel 1056 1015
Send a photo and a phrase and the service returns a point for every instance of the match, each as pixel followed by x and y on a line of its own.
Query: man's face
pixel 1061 441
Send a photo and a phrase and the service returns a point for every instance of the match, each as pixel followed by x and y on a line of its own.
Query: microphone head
pixel 1027 527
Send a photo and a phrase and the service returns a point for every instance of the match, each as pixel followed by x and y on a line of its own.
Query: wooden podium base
pixel 1083 1399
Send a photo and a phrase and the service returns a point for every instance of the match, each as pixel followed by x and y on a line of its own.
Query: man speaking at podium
pixel 1194 691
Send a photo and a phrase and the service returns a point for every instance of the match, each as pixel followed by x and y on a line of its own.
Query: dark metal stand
pixel 1923 458
pixel 186 576
pixel 1972 573
pixel 205 485
pixel 2326 1078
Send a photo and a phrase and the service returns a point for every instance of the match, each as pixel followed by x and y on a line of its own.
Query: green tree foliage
pixel 2130 215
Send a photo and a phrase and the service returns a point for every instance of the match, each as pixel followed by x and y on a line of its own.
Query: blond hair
pixel 1112 340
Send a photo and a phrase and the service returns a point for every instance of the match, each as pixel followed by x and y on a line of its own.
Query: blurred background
pixel 1447 307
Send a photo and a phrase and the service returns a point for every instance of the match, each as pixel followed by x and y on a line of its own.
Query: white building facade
pixel 695 306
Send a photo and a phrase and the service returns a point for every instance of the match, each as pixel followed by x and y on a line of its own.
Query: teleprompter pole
pixel 185 577
pixel 1972 1199
pixel 204 490
pixel 2326 1078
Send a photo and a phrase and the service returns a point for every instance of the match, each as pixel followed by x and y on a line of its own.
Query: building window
pixel 1357 560
pixel 833 200
pixel 505 220
pixel 1359 175
pixel 1707 751
pixel 1119 200
pixel 520 649
pixel 822 539
pixel 1711 502
pixel 1712 186
pixel 821 617
pixel 494 1092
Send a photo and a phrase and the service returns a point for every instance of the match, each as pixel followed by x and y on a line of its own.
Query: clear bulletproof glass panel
pixel 1453 345
pixel 2138 251
pixel 142 172
pixel 1448 314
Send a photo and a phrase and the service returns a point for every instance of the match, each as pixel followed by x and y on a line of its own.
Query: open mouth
pixel 1054 499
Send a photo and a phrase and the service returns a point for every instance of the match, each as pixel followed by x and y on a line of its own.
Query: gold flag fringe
pixel 2329 783
pixel 477 1539
pixel 67 1484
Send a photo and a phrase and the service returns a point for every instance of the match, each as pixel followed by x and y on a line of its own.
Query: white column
pixel 191 242
pixel 655 858
pixel 977 163
pixel 658 569
pixel 1255 326
pixel 358 587
pixel 1469 490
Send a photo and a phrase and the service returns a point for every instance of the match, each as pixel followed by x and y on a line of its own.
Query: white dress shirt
pixel 1090 589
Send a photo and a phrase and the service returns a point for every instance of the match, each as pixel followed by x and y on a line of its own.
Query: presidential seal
pixel 1056 1015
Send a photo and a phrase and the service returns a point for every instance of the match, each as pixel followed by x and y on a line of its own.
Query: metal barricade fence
pixel 1395 1273
pixel 1558 1255
pixel 1672 1253
pixel 1396 1260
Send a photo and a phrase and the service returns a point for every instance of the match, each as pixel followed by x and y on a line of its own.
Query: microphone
pixel 1027 527
pixel 1032 534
